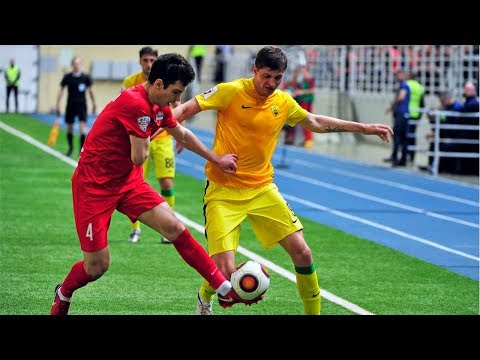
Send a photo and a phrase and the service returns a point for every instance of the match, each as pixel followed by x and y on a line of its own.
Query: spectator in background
pixel 223 54
pixel 417 101
pixel 470 166
pixel 470 64
pixel 290 87
pixel 305 95
pixel 447 136
pixel 399 109
pixel 198 53
pixel 301 87
pixel 77 83
pixel 12 78
pixel 471 98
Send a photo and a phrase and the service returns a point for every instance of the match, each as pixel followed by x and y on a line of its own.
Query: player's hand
pixel 228 163
pixel 383 131
pixel 232 298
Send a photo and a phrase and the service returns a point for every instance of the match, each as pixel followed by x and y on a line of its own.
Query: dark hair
pixel 148 50
pixel 272 57
pixel 171 68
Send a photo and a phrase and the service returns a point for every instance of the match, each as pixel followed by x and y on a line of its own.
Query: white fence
pixel 434 151
pixel 371 68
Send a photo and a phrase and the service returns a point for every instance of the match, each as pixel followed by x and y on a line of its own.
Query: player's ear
pixel 159 83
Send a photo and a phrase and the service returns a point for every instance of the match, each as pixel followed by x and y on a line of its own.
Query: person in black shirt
pixel 77 83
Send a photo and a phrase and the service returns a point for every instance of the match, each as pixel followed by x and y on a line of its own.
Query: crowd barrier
pixel 436 126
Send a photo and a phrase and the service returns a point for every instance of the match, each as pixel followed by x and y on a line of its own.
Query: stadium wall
pixel 55 60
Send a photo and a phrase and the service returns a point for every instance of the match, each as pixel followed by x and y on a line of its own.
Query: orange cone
pixel 52 138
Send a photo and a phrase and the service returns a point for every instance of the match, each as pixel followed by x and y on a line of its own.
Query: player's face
pixel 169 95
pixel 146 63
pixel 266 80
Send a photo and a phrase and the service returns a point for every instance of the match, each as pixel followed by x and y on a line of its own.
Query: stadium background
pixel 373 276
pixel 352 82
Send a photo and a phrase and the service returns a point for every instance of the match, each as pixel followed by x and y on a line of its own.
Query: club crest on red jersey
pixel 143 122
pixel 159 118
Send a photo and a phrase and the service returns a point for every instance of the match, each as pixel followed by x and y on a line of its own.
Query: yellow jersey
pixel 248 125
pixel 137 79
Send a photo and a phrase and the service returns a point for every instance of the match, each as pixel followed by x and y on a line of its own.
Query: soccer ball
pixel 250 280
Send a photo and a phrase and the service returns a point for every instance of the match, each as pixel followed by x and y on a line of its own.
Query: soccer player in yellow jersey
pixel 251 113
pixel 161 151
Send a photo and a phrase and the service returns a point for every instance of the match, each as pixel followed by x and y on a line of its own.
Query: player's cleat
pixel 135 236
pixel 204 307
pixel 59 306
pixel 69 153
pixel 165 240
pixel 232 298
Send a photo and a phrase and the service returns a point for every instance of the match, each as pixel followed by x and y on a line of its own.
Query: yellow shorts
pixel 271 217
pixel 162 156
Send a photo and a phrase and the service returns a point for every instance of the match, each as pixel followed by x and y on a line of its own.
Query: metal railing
pixel 437 125
pixel 371 68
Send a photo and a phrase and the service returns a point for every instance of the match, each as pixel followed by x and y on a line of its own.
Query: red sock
pixel 76 278
pixel 196 256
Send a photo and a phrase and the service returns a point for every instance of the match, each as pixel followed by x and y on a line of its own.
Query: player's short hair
pixel 272 57
pixel 171 68
pixel 148 50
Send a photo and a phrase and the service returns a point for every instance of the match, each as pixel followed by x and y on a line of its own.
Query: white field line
pixel 393 184
pixel 395 204
pixel 355 218
pixel 281 271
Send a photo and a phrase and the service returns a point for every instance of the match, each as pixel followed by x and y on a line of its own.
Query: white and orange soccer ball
pixel 250 280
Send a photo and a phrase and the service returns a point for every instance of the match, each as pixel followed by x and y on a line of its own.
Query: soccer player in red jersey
pixel 109 177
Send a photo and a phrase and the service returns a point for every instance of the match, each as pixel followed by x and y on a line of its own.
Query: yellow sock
pixel 309 290
pixel 206 291
pixel 135 225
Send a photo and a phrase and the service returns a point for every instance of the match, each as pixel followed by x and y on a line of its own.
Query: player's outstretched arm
pixel 326 124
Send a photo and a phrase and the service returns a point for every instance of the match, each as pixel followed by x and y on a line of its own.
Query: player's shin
pixel 309 290
pixel 76 278
pixel 196 256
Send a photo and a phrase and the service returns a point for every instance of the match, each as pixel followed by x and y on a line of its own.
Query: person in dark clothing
pixel 447 136
pixel 77 83
pixel 469 166
pixel 223 53
pixel 399 109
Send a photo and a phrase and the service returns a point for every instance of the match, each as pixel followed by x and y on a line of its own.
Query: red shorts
pixel 93 211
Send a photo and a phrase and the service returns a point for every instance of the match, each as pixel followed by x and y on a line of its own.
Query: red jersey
pixel 105 159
